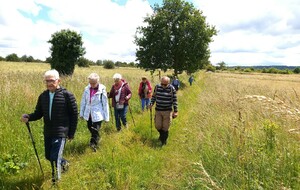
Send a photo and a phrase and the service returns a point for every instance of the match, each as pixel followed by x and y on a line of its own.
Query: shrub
pixel 108 64
pixel 83 62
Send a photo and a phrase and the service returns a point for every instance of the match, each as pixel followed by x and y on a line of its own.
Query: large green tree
pixel 175 36
pixel 12 57
pixel 67 47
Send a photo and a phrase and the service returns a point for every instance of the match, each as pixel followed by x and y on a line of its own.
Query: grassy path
pixel 133 159
pixel 217 142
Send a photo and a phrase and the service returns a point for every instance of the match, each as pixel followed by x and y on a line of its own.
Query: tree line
pixel 81 62
pixel 273 69
pixel 14 58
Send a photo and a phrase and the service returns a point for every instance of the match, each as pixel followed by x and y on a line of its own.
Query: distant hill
pixel 280 67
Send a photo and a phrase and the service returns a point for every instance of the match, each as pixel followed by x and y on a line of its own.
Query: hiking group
pixel 58 108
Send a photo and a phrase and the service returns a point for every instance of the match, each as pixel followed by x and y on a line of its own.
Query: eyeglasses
pixel 51 81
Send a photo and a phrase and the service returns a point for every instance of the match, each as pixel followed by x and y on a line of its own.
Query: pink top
pixel 93 92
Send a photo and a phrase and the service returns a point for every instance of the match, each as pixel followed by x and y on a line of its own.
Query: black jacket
pixel 64 112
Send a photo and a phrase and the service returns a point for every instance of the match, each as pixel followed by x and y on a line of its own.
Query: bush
pixel 98 62
pixel 83 62
pixel 108 64
pixel 297 70
pixel 11 164
pixel 210 68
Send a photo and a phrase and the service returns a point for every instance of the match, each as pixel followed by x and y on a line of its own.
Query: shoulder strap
pixel 101 97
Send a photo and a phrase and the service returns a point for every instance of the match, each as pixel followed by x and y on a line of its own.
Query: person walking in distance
pixel 145 90
pixel 191 80
pixel 58 108
pixel 176 83
pixel 120 94
pixel 94 108
pixel 164 96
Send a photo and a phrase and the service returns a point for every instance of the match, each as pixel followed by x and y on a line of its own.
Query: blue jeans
pixel 145 102
pixel 120 115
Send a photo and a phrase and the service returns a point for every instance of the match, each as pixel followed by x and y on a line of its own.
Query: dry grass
pixel 238 116
pixel 217 142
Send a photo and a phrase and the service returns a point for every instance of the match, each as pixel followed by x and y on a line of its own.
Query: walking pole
pixel 33 143
pixel 151 123
pixel 111 113
pixel 131 115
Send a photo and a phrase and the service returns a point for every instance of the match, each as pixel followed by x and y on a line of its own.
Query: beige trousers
pixel 163 120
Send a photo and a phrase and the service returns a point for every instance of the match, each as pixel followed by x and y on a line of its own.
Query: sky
pixel 250 32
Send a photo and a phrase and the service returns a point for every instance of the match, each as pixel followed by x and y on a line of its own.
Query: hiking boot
pixel 94 147
pixel 65 165
pixel 164 137
pixel 160 135
pixel 163 141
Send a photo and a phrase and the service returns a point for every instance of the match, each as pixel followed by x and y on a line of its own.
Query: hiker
pixel 176 83
pixel 94 108
pixel 164 96
pixel 191 79
pixel 58 108
pixel 120 94
pixel 145 90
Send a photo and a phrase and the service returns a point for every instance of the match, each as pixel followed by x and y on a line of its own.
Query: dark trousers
pixel 54 147
pixel 94 128
pixel 176 87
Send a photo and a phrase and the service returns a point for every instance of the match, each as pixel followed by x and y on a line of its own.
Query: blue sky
pixel 251 32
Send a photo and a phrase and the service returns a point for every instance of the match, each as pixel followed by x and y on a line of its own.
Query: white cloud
pixel 106 27
pixel 251 32
pixel 254 32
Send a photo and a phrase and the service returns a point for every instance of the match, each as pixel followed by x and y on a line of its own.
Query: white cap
pixel 117 76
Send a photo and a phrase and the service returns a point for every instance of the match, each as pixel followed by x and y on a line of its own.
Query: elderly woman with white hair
pixel 94 107
pixel 120 94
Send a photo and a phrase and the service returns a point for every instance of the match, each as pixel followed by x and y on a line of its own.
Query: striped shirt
pixel 165 98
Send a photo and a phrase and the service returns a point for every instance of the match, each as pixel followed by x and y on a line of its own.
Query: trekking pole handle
pixel 25 118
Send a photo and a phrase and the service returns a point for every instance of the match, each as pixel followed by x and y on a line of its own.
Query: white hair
pixel 117 76
pixel 94 76
pixel 52 73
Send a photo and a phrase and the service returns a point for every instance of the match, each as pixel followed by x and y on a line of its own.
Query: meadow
pixel 234 131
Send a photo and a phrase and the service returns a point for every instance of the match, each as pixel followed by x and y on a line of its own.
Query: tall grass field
pixel 234 131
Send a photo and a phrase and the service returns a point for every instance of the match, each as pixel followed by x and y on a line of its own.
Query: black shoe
pixel 160 135
pixel 164 137
pixel 65 166
pixel 93 146
pixel 163 142
pixel 53 180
